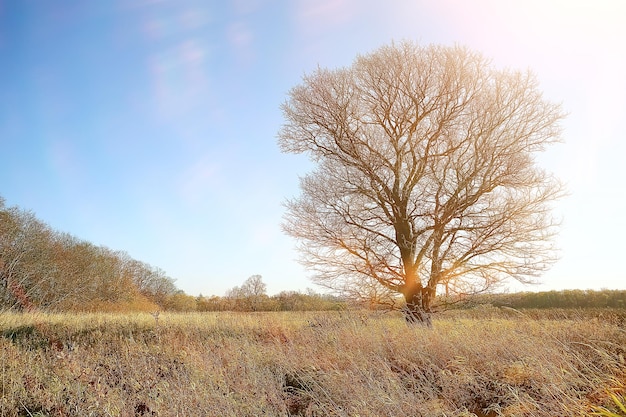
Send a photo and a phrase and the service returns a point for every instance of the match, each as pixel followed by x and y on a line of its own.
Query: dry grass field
pixel 485 363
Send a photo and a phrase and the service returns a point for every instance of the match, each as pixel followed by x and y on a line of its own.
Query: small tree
pixel 250 295
pixel 254 287
pixel 425 176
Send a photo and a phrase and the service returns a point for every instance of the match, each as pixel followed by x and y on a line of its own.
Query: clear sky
pixel 150 125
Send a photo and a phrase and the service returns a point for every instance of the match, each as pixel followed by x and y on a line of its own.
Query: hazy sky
pixel 150 125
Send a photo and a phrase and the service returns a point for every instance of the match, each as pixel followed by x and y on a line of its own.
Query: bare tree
pixel 24 260
pixel 426 174
pixel 254 287
pixel 250 295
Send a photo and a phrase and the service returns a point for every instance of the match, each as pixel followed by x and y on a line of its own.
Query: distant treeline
pixel 43 269
pixel 554 299
pixel 296 301
pixel 283 301
pixel 252 296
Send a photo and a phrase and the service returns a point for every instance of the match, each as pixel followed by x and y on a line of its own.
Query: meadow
pixel 487 362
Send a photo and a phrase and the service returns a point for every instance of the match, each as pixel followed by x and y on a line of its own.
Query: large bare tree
pixel 426 174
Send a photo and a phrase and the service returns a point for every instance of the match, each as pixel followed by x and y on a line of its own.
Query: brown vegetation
pixel 499 363
pixel 43 269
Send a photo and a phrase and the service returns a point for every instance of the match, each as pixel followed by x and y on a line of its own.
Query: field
pixel 485 363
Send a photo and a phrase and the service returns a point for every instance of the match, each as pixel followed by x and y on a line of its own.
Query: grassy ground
pixel 490 363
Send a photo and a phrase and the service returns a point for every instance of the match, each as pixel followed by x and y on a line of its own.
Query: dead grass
pixel 307 364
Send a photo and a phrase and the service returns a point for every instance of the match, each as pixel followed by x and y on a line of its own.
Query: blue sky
pixel 150 125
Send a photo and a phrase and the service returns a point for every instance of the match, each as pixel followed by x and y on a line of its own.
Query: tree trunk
pixel 417 308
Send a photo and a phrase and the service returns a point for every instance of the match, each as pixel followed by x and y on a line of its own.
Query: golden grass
pixel 308 364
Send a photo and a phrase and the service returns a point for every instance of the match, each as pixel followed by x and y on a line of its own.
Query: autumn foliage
pixel 43 269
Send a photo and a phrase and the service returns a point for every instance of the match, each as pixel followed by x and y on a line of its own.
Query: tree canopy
pixel 426 174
